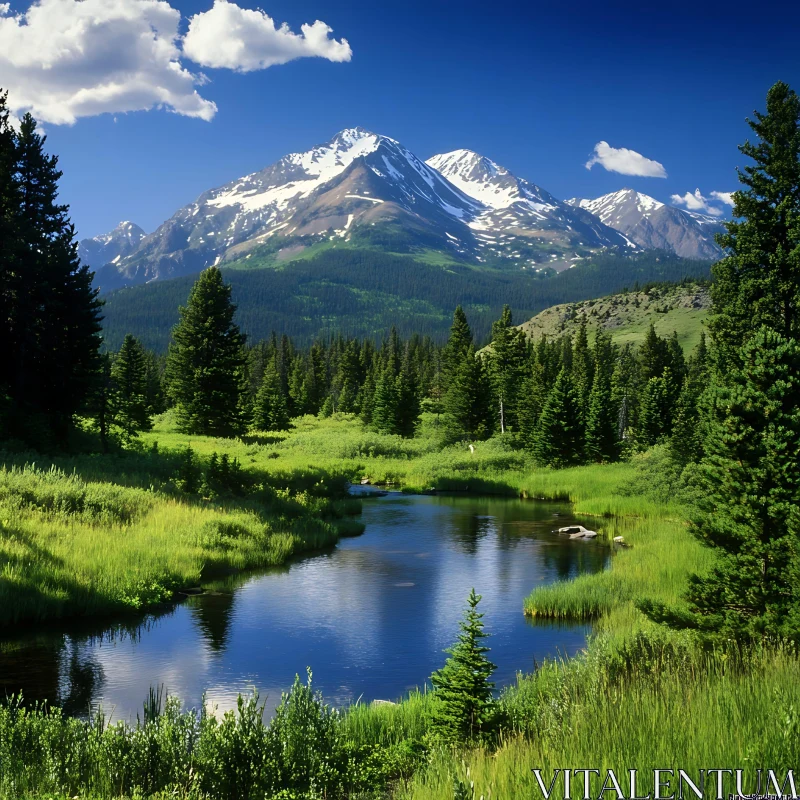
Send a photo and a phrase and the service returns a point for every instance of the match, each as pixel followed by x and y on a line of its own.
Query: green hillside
pixel 365 292
pixel 682 308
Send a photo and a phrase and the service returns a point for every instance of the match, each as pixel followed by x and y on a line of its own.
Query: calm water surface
pixel 371 617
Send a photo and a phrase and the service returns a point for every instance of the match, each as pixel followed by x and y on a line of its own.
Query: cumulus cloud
pixel 237 38
pixel 67 59
pixel 696 202
pixel 625 162
pixel 723 197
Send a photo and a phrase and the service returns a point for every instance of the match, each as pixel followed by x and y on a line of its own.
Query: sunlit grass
pixel 702 716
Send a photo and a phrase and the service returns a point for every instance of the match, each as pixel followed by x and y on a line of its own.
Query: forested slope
pixel 364 292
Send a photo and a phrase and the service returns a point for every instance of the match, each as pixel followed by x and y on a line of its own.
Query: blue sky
pixel 534 86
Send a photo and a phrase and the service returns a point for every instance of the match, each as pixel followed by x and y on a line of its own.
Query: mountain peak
pixel 652 224
pixel 487 181
pixel 115 244
pixel 617 205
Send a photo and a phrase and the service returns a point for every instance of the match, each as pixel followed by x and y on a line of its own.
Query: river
pixel 371 616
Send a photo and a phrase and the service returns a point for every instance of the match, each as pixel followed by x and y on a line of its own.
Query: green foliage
pixel 654 412
pixel 467 400
pixel 748 506
pixel 758 282
pixel 205 365
pixel 462 707
pixel 602 417
pixel 130 406
pixel 49 334
pixel 559 438
pixel 270 410
pixel 506 363
pixel 302 754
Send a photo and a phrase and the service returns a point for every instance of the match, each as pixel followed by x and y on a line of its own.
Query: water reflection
pixel 371 617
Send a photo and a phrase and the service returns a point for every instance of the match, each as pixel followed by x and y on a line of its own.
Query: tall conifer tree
pixel 467 400
pixel 206 363
pixel 758 281
pixel 130 408
pixel 506 363
pixel 53 321
pixel 559 439
pixel 270 410
pixel 748 502
pixel 602 416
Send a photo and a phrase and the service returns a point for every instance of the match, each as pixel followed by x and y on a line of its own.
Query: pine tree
pixel 654 411
pixel 206 363
pixel 408 401
pixel 53 321
pixel 366 396
pixel 758 281
pixel 559 438
pixel 688 434
pixel 467 401
pixel 686 439
pixel 459 341
pixel 348 378
pixel 652 355
pixel 156 400
pixel 625 394
pixel 582 367
pixel 99 403
pixel 602 416
pixel 462 707
pixel 531 402
pixel 300 387
pixel 506 363
pixel 270 411
pixel 748 502
pixel 130 409
pixel 10 268
pixel 386 401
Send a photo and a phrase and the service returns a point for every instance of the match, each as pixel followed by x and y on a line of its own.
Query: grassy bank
pixel 100 535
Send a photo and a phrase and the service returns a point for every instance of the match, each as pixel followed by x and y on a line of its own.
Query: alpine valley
pixel 358 212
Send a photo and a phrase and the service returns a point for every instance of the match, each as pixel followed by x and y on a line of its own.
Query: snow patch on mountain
pixel 611 207
pixel 490 184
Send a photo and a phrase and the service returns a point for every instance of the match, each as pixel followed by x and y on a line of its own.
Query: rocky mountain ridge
pixel 654 225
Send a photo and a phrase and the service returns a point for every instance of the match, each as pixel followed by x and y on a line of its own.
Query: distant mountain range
pixel 656 226
pixel 362 189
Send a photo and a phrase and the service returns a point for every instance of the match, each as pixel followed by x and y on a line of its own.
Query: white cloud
pixel 245 40
pixel 67 59
pixel 696 202
pixel 625 162
pixel 64 59
pixel 723 197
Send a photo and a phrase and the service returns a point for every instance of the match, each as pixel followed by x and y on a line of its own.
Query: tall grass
pixel 306 751
pixel 69 546
pixel 705 715
pixel 657 558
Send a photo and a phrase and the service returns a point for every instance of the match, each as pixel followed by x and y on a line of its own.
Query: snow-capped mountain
pixel 367 188
pixel 516 211
pixel 652 224
pixel 110 247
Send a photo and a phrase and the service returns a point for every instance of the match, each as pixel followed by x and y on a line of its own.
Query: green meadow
pixel 105 534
